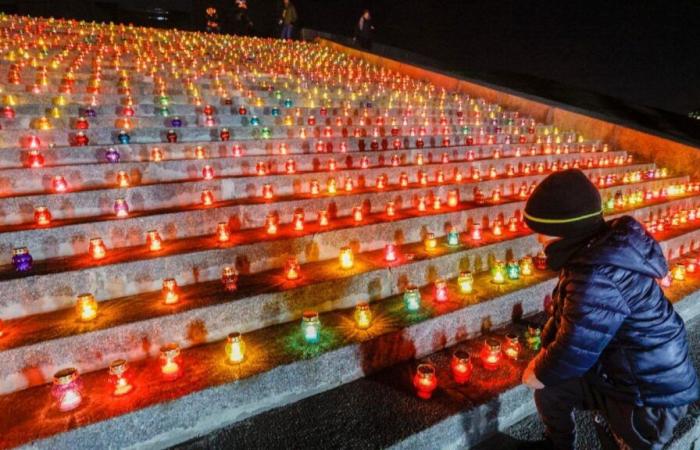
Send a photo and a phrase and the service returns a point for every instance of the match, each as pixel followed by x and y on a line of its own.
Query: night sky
pixel 644 52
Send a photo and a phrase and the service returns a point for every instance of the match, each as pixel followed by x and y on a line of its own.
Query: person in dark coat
pixel 364 30
pixel 288 19
pixel 614 343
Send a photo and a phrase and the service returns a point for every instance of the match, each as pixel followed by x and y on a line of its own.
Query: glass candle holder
pixel 21 259
pixel 425 381
pixel 541 260
pixel 235 348
pixel 526 266
pixel 430 242
pixel 112 155
pixel 270 224
pixel 229 278
pixel 465 280
pixel 440 287
pixel 170 291
pixel 357 214
pixel 121 208
pixel 97 248
pixel 222 232
pixel 453 237
pixel 122 179
pixel 533 337
pixel 67 389
pixel 153 241
pixel 412 299
pixel 461 366
pixel 346 258
pixel 119 378
pixel 207 197
pixel 59 184
pixel 311 327
pixel 491 354
pixel 511 348
pixel 475 233
pixel 513 270
pixel 323 218
pixel 267 192
pixel 498 273
pixel 679 271
pixel 86 307
pixel 42 216
pixel 363 316
pixel 298 221
pixel 390 253
pixel 157 154
pixel 452 198
pixel 390 209
pixel 170 364
pixel 292 269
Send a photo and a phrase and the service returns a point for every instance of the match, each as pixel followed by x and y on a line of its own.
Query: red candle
pixel 461 366
pixel 491 354
pixel 425 381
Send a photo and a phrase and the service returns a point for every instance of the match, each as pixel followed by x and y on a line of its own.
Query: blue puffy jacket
pixel 613 323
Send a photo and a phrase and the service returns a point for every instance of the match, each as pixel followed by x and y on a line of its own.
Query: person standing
pixel 288 19
pixel 364 30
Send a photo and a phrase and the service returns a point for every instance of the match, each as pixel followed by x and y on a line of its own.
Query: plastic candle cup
pixel 498 273
pixel 425 381
pixel 229 278
pixel 440 290
pixel 411 299
pixel 526 267
pixel 512 346
pixel 170 361
pixel 121 208
pixel 222 232
pixel 42 216
pixel 363 316
pixel 21 259
pixel 97 248
pixel 235 348
pixel 513 270
pixel 153 241
pixel 67 389
pixel 346 258
pixel 118 378
pixel 292 269
pixel 679 271
pixel 533 337
pixel 491 354
pixel 86 307
pixel 170 294
pixel 465 280
pixel 311 327
pixel 430 242
pixel 461 366
pixel 453 237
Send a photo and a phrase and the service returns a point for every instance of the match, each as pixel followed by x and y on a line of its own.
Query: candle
pixel 97 248
pixel 35 159
pixel 363 316
pixel 425 381
pixel 491 354
pixel 533 337
pixel 311 327
pixel 153 241
pixel 21 259
pixel 498 272
pixel 412 299
pixel 678 272
pixel 118 378
pixel 270 224
pixel 452 198
pixel 346 258
pixel 476 232
pixel 59 184
pixel 229 278
pixel 67 389
pixel 390 209
pixel 292 268
pixel 430 242
pixel 170 361
pixel 207 197
pixel 461 366
pixel 389 253
pixel 121 208
pixel 42 216
pixel 453 237
pixel 512 346
pixel 440 290
pixel 465 280
pixel 86 307
pixel 526 267
pixel 122 179
pixel 513 270
pixel 541 260
pixel 170 291
pixel 235 348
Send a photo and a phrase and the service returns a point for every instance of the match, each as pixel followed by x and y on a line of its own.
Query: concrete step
pixel 141 196
pixel 210 312
pixel 491 400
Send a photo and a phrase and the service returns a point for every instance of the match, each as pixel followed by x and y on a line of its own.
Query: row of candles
pixel 68 391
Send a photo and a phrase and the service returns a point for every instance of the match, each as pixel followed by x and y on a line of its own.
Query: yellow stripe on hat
pixel 573 219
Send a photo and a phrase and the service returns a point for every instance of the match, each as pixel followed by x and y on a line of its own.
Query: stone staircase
pixel 181 193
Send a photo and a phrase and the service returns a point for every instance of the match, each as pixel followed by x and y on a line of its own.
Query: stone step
pixel 93 175
pixel 210 396
pixel 144 196
pixel 263 299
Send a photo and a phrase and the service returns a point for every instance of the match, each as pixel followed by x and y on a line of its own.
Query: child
pixel 614 343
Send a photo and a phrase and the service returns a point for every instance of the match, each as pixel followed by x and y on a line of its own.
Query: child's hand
pixel 529 378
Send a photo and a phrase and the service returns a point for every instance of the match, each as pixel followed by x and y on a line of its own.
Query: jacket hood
pixel 625 244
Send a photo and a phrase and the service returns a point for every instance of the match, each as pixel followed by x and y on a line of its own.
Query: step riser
pixel 70 205
pixel 15 181
pixel 73 239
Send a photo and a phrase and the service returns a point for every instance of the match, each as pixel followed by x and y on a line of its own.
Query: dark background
pixel 645 52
